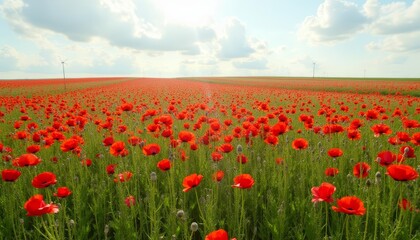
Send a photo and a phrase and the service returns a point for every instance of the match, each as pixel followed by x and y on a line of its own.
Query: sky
pixel 180 38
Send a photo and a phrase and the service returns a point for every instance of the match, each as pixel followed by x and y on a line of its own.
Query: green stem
pixel 199 208
pixel 366 224
pixel 326 221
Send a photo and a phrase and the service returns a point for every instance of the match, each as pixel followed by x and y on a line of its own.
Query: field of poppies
pixel 224 158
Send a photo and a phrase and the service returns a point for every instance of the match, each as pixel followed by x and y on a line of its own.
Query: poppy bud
pixel 368 183
pixel 239 149
pixel 153 176
pixel 194 227
pixel 378 159
pixel 406 150
pixel 180 214
pixel 378 177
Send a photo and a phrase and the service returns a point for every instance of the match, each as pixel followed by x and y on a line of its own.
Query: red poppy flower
pixel 69 145
pixel 33 149
pixel 380 129
pixel 403 137
pixel 130 201
pixel 335 152
pixel 300 144
pixel 243 181
pixel 278 128
pixel 226 148
pixel 27 159
pixel 186 136
pixel 408 151
pixel 331 172
pixel 402 172
pixel 350 205
pixel 386 158
pixel 133 140
pixel 110 169
pixel 218 176
pixel 108 141
pixel 44 180
pixel 323 193
pixel 164 165
pixel 241 158
pixel 86 162
pixel 191 181
pixel 361 170
pixel 353 134
pixel 151 149
pixel 118 149
pixel 415 139
pixel 126 107
pixel 405 204
pixel 271 139
pixel 62 192
pixel 36 206
pixel 10 175
pixel 217 235
pixel 123 177
pixel 216 156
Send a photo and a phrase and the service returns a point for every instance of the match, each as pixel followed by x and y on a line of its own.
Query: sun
pixel 187 12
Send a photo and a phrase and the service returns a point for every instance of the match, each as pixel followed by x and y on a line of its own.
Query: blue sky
pixel 171 38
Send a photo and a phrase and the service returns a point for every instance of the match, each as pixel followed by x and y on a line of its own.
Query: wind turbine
pixel 64 72
pixel 313 70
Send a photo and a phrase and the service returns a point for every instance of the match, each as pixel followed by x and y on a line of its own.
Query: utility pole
pixel 313 70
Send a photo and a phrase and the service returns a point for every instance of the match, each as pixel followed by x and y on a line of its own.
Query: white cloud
pixel 397 43
pixel 234 43
pixel 335 20
pixel 396 18
pixel 115 21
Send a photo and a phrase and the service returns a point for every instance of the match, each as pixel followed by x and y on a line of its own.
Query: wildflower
pixel 331 172
pixel 110 169
pixel 386 158
pixel 335 152
pixel 300 144
pixel 243 181
pixel 10 175
pixel 118 149
pixel 218 176
pixel 123 177
pixel 323 193
pixel 350 205
pixel 44 180
pixel 36 206
pixel 186 136
pixel 402 172
pixel 130 201
pixel 27 159
pixel 217 235
pixel 62 192
pixel 164 165
pixel 151 149
pixel 361 170
pixel 191 181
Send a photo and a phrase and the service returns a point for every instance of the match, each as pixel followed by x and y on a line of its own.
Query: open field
pixel 260 158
